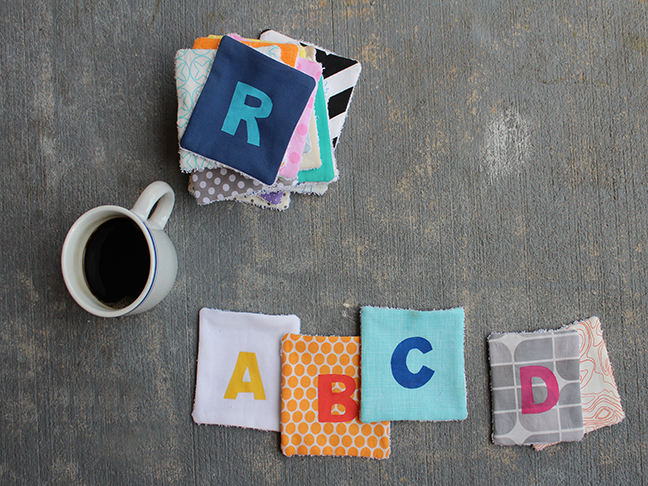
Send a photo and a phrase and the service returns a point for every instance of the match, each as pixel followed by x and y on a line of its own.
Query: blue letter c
pixel 399 368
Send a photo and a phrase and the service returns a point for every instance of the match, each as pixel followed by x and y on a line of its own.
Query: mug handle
pixel 159 193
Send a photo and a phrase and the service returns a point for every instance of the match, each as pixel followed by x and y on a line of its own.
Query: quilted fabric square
pixel 289 52
pixel 191 70
pixel 247 111
pixel 599 394
pixel 535 387
pixel 320 396
pixel 320 169
pixel 210 185
pixel 311 156
pixel 238 379
pixel 340 77
pixel 326 172
pixel 192 67
pixel 217 184
pixel 279 201
pixel 412 364
pixel 293 156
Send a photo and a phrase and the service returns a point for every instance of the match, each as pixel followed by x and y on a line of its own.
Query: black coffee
pixel 117 262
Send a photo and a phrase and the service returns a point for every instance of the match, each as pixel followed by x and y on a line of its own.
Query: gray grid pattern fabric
pixel 555 351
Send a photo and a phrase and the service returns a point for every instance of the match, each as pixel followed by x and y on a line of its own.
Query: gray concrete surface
pixel 494 159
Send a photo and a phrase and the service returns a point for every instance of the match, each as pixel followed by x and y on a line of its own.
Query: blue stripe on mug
pixel 155 259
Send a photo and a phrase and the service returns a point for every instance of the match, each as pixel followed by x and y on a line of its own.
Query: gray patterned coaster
pixel 211 185
pixel 536 387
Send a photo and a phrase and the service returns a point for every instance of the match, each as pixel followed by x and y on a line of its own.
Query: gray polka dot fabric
pixel 211 185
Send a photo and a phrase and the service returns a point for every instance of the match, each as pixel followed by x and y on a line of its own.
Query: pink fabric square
pixel 292 158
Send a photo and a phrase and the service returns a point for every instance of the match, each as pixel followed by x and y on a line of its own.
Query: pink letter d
pixel 553 392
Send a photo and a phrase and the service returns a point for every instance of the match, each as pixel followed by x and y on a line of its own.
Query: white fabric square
pixel 238 378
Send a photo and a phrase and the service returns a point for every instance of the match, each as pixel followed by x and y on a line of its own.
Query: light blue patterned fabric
pixel 192 66
pixel 412 365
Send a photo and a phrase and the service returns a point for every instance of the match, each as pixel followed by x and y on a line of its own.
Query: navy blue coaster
pixel 247 111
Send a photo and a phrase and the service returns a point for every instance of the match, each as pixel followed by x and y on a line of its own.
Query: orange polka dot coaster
pixel 320 396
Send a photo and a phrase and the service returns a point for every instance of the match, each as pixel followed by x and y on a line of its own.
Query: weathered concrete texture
pixel 494 159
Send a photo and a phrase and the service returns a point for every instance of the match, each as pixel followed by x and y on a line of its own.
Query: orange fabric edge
pixel 289 52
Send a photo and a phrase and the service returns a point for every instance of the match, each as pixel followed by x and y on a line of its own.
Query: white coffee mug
pixel 150 213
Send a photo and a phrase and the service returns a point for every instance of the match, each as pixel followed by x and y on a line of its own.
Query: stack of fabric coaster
pixel 552 386
pixel 258 120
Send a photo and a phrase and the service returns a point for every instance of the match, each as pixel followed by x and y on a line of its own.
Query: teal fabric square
pixel 412 365
pixel 326 172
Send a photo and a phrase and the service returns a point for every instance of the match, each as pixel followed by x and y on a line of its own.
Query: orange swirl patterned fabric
pixel 600 397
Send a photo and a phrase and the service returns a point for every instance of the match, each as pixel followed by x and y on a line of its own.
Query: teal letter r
pixel 238 111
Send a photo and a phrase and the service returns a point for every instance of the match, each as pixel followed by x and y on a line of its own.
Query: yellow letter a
pixel 246 361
